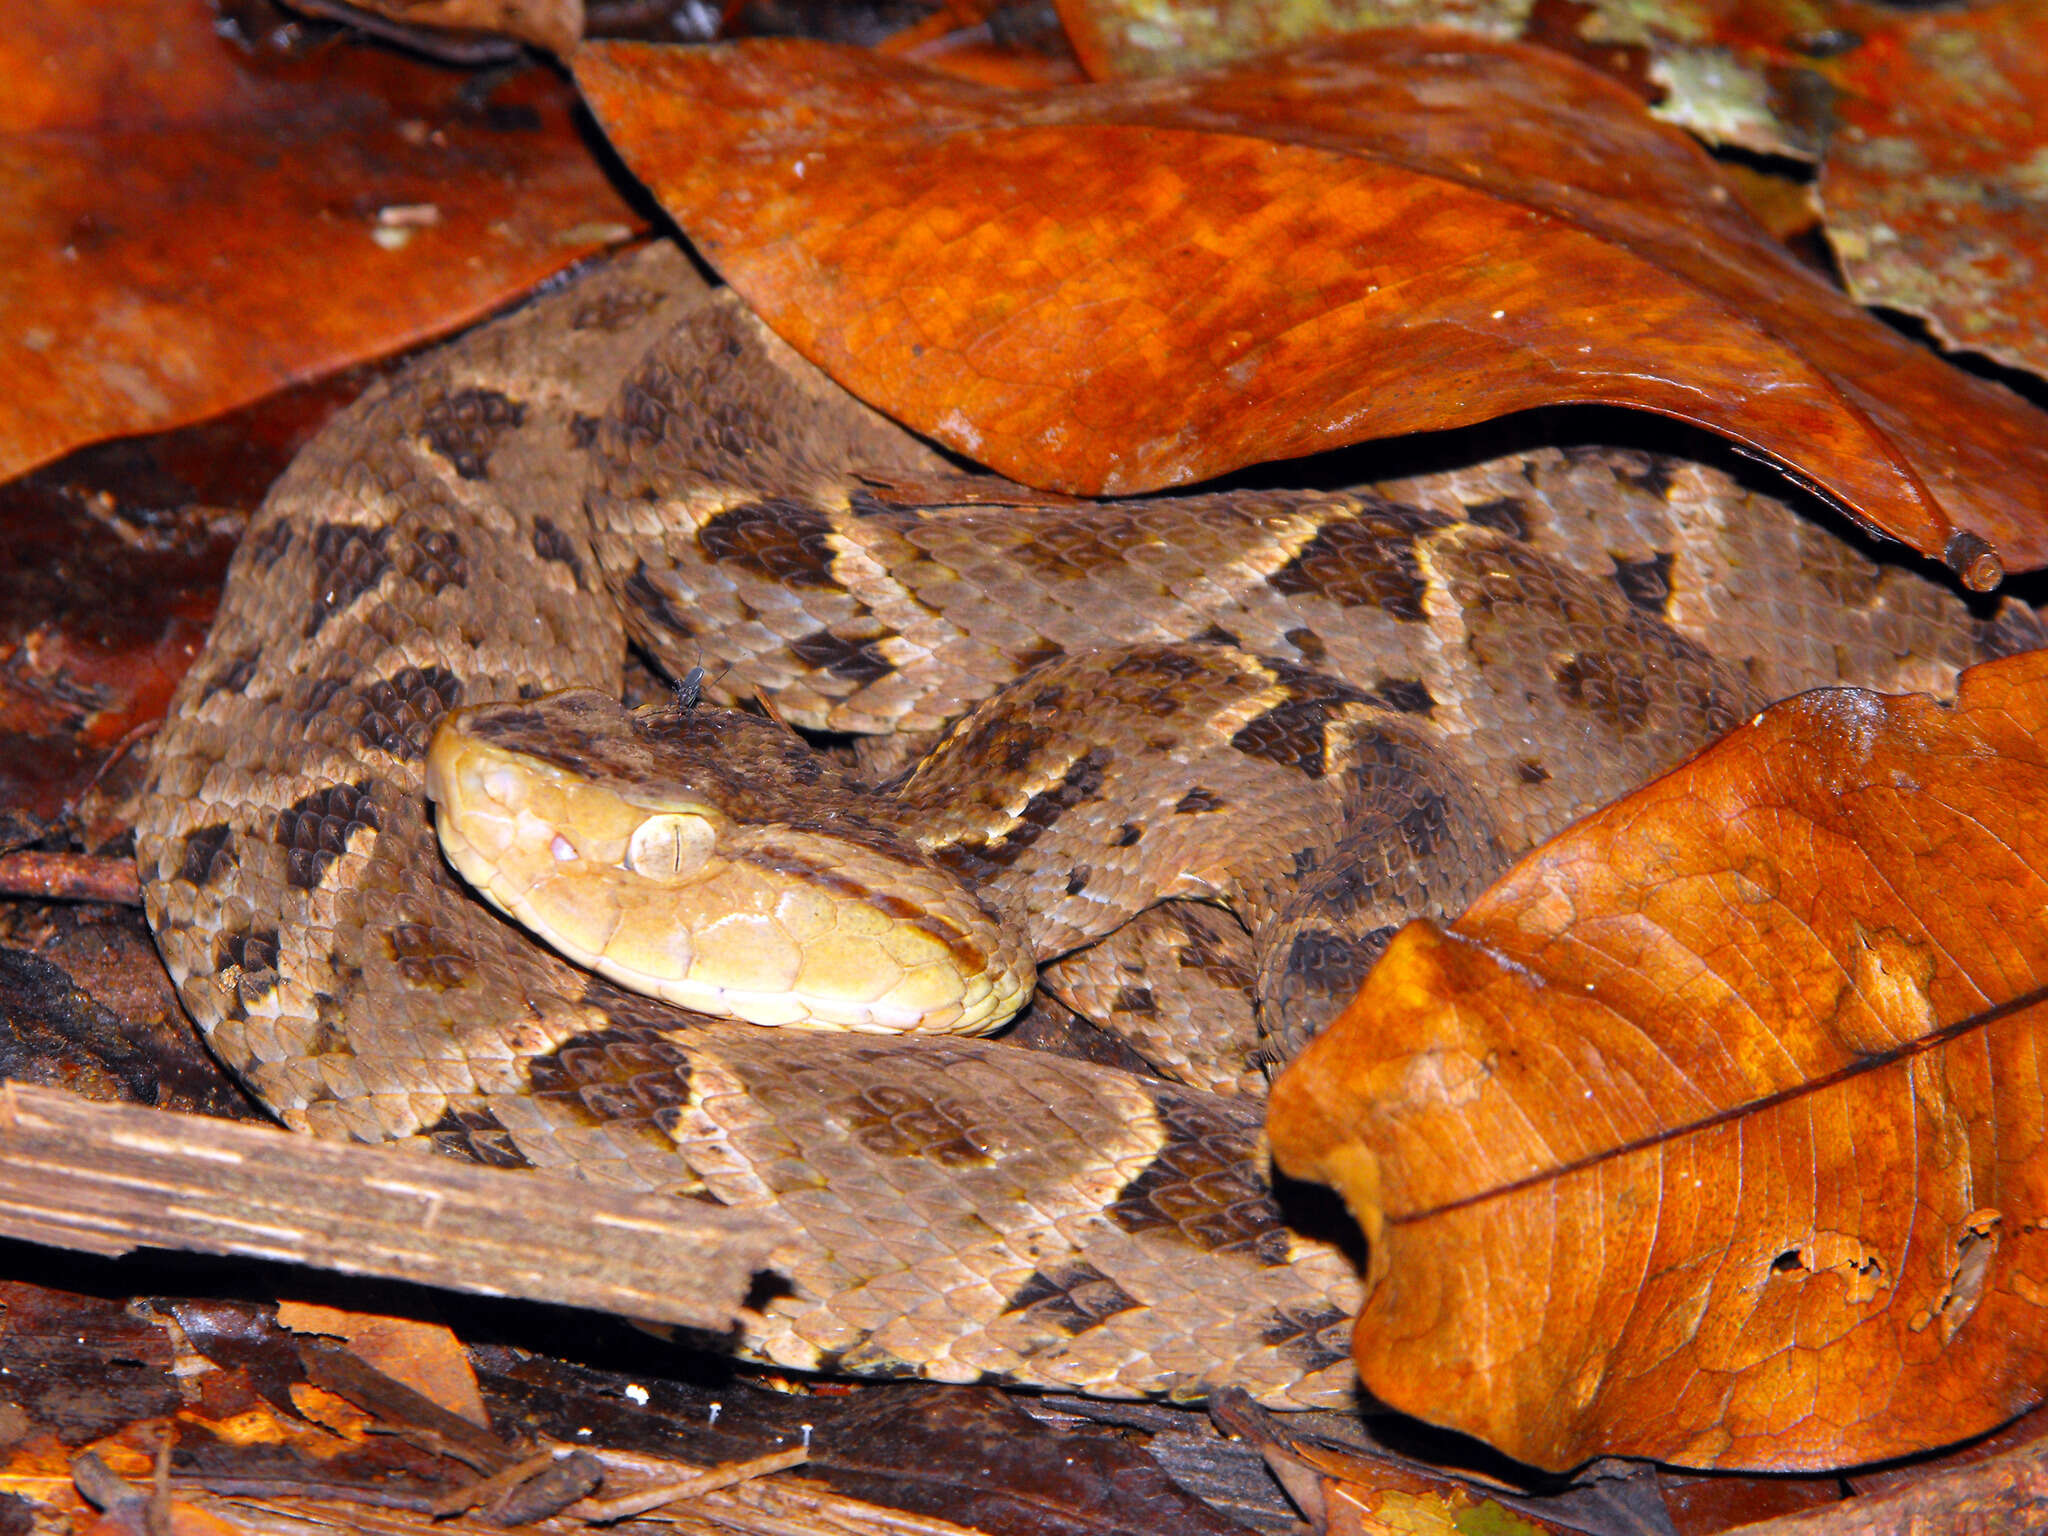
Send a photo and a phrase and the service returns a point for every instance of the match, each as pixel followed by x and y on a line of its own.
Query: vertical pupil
pixel 653 850
pixel 663 845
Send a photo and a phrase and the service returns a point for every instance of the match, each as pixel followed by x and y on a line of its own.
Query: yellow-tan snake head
pixel 665 849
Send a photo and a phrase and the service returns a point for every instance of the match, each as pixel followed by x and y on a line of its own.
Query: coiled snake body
pixel 1371 701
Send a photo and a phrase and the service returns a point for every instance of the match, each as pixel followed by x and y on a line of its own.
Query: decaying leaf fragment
pixel 191 225
pixel 1933 184
pixel 1717 1130
pixel 1111 288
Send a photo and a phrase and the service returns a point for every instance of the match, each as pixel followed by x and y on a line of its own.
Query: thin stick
pixel 469 1495
pixel 69 877
pixel 724 1475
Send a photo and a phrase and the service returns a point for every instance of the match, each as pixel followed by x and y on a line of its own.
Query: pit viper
pixel 1210 746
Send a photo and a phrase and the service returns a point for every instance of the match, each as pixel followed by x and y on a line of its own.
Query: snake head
pixel 710 858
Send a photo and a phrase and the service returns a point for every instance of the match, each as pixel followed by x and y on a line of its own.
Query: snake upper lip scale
pixel 1325 712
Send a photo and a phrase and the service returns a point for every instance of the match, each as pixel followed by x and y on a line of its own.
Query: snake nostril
pixel 563 850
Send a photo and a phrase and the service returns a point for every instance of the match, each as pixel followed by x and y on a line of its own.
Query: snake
pixel 1160 765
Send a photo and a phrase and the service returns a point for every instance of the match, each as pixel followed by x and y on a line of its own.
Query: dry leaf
pixel 1932 160
pixel 1119 287
pixel 193 224
pixel 424 1356
pixel 1716 1132
pixel 1935 187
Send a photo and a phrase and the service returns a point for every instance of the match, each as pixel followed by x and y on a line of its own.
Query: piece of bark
pixel 108 1178
pixel 86 1006
pixel 409 1414
pixel 2006 1493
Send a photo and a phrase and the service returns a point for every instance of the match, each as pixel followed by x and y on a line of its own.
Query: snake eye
pixel 670 846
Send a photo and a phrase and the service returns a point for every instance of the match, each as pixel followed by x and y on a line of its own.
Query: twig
pixel 456 1500
pixel 448 46
pixel 156 1510
pixel 69 877
pixel 99 1484
pixel 711 1479
pixel 108 1178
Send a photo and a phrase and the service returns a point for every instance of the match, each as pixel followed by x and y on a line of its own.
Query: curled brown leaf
pixel 1717 1130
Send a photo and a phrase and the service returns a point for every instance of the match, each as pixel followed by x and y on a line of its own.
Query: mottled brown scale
pixel 1368 561
pixel 787 542
pixel 256 956
pixel 859 661
pixel 1180 983
pixel 1071 1299
pixel 233 677
pixel 1197 1188
pixel 1646 583
pixel 267 545
pixel 437 561
pixel 1333 965
pixel 616 1080
pixel 1073 548
pixel 466 425
pixel 425 959
pixel 347 562
pixel 396 713
pixel 1466 660
pixel 315 829
pixel 1316 1338
pixel 205 853
pixel 476 1134
pixel 1608 684
pixel 914 1122
pixel 651 606
pixel 1504 514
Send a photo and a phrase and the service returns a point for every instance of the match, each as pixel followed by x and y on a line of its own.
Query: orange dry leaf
pixel 1717 1130
pixel 1118 287
pixel 1934 181
pixel 1924 120
pixel 191 223
pixel 426 1357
